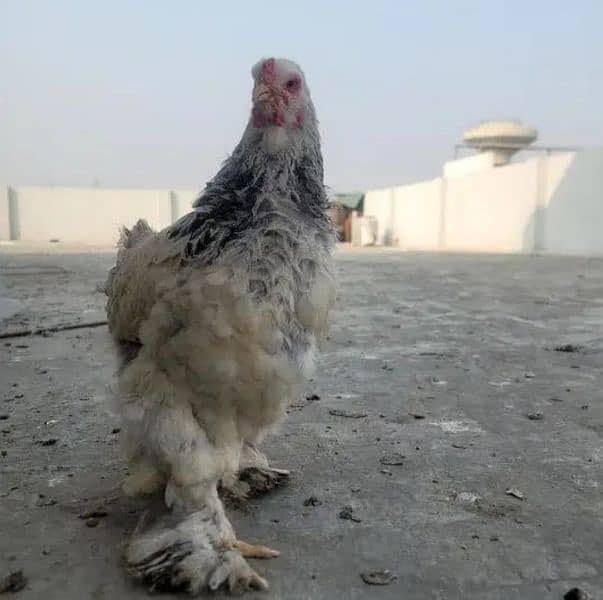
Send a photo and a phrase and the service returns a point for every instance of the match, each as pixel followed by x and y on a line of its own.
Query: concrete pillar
pixel 540 206
pixel 4 214
pixel 173 206
pixel 443 214
pixel 13 214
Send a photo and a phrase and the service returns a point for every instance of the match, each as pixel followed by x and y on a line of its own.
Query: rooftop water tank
pixel 502 138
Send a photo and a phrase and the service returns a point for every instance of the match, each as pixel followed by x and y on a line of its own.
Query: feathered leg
pixel 193 547
pixel 254 477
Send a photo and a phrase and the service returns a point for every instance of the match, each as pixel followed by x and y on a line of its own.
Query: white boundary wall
pixel 548 204
pixel 85 215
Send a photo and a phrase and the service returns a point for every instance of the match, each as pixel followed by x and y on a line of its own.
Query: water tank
pixel 502 138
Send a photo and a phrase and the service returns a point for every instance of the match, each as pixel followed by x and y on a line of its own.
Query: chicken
pixel 216 321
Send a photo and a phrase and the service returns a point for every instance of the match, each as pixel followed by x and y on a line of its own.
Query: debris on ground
pixel 336 412
pixel 3 417
pixel 42 500
pixel 116 430
pixel 48 442
pixel 530 375
pixel 468 498
pixel 92 522
pixel 347 514
pixel 416 408
pixel 576 594
pixel 394 458
pixel 459 446
pixel 379 577
pixel 515 493
pixel 417 415
pixel 568 348
pixel 535 416
pixel 312 501
pixel 13 582
pixel 313 398
pixel 97 513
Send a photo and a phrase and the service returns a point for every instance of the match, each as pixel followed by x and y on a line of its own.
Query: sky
pixel 145 93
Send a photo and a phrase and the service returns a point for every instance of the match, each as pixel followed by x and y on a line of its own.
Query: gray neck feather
pixel 257 188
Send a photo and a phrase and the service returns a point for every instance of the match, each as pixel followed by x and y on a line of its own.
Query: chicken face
pixel 279 95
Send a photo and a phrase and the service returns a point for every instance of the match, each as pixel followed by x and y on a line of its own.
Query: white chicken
pixel 216 320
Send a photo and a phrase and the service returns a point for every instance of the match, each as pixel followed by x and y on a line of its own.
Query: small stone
pixel 530 375
pixel 3 453
pixel 515 493
pixel 494 538
pixel 535 416
pixel 379 577
pixel 313 398
pixel 43 501
pixel 347 414
pixel 48 442
pixel 116 430
pixel 576 594
pixel 312 501
pixel 3 417
pixel 354 490
pixel 584 407
pixel 92 522
pixel 417 415
pixel 459 446
pixel 395 458
pixel 97 513
pixel 347 514
pixel 567 348
pixel 13 582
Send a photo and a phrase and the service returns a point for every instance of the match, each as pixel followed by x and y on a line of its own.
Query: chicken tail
pixel 129 238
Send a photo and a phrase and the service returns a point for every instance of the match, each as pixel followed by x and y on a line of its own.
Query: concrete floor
pixel 442 358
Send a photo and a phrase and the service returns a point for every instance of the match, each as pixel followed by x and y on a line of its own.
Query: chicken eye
pixel 292 84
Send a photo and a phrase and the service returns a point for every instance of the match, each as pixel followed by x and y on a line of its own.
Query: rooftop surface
pixel 482 372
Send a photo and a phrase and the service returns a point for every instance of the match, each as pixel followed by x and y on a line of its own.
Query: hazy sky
pixel 155 94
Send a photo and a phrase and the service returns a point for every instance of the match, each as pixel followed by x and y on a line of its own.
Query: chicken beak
pixel 262 93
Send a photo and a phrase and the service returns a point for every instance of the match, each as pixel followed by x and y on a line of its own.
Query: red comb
pixel 268 71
